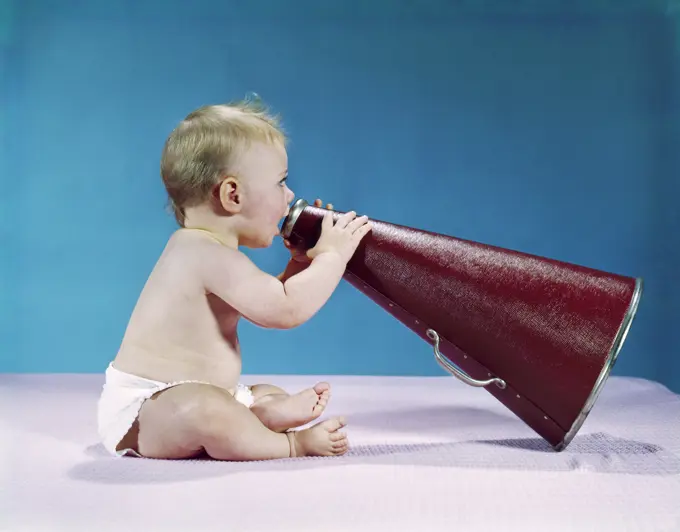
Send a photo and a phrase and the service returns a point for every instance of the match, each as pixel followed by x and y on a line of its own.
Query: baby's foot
pixel 293 410
pixel 323 439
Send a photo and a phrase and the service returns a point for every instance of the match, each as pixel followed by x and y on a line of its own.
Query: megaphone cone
pixel 540 335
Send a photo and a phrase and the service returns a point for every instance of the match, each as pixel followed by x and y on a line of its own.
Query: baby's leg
pixel 263 393
pixel 186 419
pixel 280 411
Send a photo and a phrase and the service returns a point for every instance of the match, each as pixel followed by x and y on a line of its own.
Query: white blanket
pixel 427 452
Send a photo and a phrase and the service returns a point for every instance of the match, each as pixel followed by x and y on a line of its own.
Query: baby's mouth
pixel 282 221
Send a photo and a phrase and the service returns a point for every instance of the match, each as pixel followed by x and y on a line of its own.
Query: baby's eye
pixel 281 183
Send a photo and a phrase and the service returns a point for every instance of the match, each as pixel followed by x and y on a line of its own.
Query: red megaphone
pixel 539 334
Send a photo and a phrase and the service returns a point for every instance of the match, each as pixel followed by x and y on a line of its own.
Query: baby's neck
pixel 219 229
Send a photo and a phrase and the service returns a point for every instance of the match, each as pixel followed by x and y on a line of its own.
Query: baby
pixel 173 391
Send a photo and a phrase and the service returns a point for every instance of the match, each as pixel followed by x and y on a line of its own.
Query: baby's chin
pixel 265 243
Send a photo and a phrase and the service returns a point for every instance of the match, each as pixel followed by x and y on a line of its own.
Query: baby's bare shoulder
pixel 194 241
pixel 203 249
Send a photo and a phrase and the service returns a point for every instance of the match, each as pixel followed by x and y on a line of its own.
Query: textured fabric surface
pixel 430 453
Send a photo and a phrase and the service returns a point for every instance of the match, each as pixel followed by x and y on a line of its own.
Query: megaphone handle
pixel 455 371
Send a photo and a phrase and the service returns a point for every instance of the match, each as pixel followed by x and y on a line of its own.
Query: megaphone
pixel 540 335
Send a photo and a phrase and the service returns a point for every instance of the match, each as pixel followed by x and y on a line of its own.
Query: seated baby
pixel 173 390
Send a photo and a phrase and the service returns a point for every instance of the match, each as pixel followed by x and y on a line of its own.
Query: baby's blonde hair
pixel 204 146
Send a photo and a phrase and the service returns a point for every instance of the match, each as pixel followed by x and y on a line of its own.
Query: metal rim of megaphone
pixel 293 215
pixel 619 340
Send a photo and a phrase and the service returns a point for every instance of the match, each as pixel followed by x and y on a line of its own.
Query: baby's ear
pixel 229 195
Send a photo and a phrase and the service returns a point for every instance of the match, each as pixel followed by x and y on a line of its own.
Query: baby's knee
pixel 201 400
pixel 262 390
pixel 207 408
pixel 173 423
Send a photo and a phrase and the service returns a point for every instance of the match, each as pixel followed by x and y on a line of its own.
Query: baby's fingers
pixel 363 231
pixel 327 221
pixel 345 219
pixel 356 223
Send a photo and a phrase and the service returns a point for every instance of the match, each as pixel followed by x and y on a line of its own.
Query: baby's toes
pixel 340 447
pixel 334 424
pixel 323 399
pixel 340 443
pixel 319 406
pixel 321 387
pixel 337 436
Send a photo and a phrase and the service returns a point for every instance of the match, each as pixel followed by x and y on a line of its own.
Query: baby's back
pixel 177 330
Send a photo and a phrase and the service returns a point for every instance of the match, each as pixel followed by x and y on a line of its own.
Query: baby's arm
pixel 262 298
pixel 268 302
pixel 292 268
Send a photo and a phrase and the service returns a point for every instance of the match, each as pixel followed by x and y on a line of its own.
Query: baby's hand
pixel 299 255
pixel 341 238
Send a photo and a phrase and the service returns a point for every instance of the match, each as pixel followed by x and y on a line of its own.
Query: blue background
pixel 547 129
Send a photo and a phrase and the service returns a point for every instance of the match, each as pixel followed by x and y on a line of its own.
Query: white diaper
pixel 122 397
